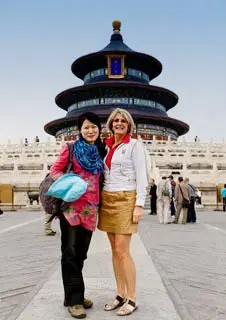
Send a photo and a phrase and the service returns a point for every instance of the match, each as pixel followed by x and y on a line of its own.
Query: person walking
pixel 163 202
pixel 181 192
pixel 199 197
pixel 122 202
pixel 153 197
pixel 191 215
pixel 78 222
pixel 48 225
pixel 48 221
pixel 223 195
pixel 172 199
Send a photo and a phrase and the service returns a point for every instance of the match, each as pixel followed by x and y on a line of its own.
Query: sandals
pixel 127 308
pixel 118 302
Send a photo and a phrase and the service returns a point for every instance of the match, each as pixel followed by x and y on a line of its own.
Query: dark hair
pixel 92 117
pixel 180 179
pixel 170 177
pixel 224 185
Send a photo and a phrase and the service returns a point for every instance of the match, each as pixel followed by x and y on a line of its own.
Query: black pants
pixel 75 241
pixel 191 217
pixel 172 208
pixel 224 204
pixel 153 205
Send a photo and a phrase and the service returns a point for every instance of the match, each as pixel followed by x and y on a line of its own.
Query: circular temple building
pixel 117 76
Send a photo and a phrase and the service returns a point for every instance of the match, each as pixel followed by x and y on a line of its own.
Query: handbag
pixel 51 205
pixel 185 202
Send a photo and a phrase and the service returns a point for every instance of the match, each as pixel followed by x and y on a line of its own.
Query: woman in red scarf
pixel 122 202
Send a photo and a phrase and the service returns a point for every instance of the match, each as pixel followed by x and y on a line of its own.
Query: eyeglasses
pixel 120 120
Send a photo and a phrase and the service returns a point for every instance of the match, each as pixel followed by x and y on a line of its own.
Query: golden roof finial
pixel 116 25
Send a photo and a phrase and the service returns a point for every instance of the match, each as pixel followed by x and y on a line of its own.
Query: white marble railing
pixel 182 145
pixel 203 162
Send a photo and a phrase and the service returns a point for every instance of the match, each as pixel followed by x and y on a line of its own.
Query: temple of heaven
pixel 117 76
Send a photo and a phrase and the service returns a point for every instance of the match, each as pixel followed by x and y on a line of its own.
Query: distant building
pixel 114 77
pixel 117 76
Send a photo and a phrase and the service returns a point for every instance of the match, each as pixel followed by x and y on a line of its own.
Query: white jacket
pixel 128 170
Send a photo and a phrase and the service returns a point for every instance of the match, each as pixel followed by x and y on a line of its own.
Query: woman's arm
pixel 140 165
pixel 59 166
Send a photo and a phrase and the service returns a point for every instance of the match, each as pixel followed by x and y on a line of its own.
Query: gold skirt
pixel 116 212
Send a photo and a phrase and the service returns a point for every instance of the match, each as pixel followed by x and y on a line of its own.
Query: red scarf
pixel 110 142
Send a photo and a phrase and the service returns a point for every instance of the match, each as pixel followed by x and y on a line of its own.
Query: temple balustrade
pixel 204 163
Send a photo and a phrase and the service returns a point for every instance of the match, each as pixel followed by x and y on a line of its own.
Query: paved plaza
pixel 181 270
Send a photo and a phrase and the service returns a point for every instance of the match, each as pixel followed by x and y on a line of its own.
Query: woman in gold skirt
pixel 122 202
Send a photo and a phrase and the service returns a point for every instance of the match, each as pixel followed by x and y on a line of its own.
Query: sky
pixel 39 40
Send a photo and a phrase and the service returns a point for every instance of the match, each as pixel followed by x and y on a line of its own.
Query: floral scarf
pixel 88 156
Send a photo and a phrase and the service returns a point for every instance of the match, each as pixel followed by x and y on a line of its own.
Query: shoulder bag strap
pixel 70 158
pixel 181 192
pixel 191 187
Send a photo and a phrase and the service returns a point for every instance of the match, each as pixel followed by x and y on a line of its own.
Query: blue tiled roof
pixel 117 44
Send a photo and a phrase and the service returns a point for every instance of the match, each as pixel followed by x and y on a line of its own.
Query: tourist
pixel 182 194
pixel 37 139
pixel 172 203
pixel 223 195
pixel 48 222
pixel 48 225
pixel 163 200
pixel 26 142
pixel 122 202
pixel 198 197
pixel 78 222
pixel 191 214
pixel 153 196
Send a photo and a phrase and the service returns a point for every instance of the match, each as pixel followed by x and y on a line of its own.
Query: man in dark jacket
pixel 153 197
pixel 172 204
pixel 191 216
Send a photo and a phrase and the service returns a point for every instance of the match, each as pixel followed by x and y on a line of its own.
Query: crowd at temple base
pixel 170 198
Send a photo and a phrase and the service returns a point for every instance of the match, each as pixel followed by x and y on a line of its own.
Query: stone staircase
pixel 147 203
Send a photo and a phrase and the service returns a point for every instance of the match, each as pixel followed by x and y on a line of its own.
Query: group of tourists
pixel 169 199
pixel 116 173
pixel 26 142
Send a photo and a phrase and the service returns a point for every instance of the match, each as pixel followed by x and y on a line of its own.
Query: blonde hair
pixel 125 114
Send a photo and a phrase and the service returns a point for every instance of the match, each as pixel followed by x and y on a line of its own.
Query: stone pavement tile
pixel 26 256
pixel 152 297
pixel 191 260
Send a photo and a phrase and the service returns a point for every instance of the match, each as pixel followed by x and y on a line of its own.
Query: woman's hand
pixel 56 176
pixel 137 214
